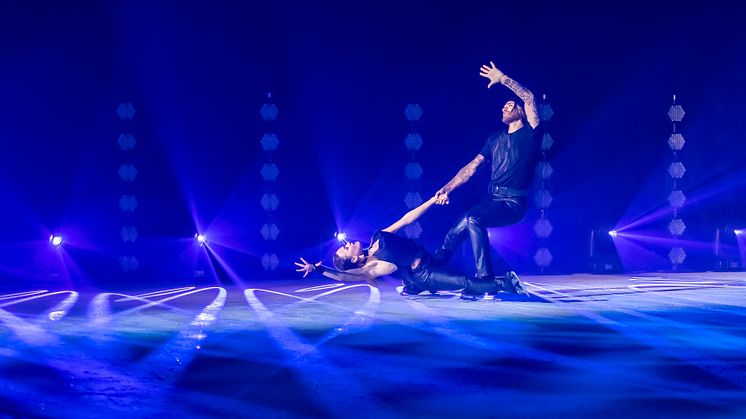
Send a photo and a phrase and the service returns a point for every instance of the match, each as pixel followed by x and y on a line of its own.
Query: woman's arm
pixel 367 272
pixel 411 216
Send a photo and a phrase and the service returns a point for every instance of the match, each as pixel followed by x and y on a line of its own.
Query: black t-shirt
pixel 513 156
pixel 398 250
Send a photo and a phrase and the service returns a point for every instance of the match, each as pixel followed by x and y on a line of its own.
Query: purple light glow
pixel 634 256
pixel 515 244
pixel 654 238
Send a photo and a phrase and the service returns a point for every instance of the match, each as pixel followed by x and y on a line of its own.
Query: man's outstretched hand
pixel 441 197
pixel 306 267
pixel 492 73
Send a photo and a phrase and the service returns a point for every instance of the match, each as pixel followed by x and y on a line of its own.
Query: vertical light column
pixel 269 173
pixel 676 198
pixel 127 202
pixel 413 169
pixel 543 228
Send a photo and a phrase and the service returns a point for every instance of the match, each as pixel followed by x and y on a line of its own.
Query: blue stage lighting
pixel 201 239
pixel 56 240
pixel 613 233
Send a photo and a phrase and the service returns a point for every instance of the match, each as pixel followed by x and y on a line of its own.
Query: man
pixel 512 154
pixel 389 253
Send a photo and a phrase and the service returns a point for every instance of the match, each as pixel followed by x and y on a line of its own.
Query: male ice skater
pixel 389 253
pixel 512 154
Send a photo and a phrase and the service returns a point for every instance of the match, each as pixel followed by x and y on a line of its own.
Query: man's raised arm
pixel 529 104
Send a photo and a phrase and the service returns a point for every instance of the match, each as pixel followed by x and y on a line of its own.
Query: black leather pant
pixel 432 278
pixel 496 211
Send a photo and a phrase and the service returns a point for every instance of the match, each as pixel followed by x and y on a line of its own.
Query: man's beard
pixel 511 117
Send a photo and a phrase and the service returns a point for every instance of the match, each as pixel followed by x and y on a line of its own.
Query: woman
pixel 389 254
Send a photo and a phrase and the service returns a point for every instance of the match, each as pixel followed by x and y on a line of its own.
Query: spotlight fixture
pixel 56 240
pixel 738 232
pixel 201 239
pixel 613 233
pixel 341 237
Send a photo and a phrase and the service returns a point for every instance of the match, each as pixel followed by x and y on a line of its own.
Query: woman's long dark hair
pixel 344 264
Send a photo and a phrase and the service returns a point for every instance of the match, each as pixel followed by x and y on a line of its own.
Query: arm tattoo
pixel 464 174
pixel 527 97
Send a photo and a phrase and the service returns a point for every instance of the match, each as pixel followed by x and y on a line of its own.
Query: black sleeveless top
pixel 398 250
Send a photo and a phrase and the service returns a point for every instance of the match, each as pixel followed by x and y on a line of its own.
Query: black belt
pixel 506 192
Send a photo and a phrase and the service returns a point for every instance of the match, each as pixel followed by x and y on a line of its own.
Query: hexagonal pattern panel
pixel 543 199
pixel 676 142
pixel 128 233
pixel 544 170
pixel 676 113
pixel 270 202
pixel 413 112
pixel 412 199
pixel 545 111
pixel 127 172
pixel 270 231
pixel 128 203
pixel 125 111
pixel 677 255
pixel 543 257
pixel 126 142
pixel 270 261
pixel 676 199
pixel 543 228
pixel 413 171
pixel 269 171
pixel 676 227
pixel 413 231
pixel 413 142
pixel 269 142
pixel 676 170
pixel 269 112
pixel 129 263
pixel 546 142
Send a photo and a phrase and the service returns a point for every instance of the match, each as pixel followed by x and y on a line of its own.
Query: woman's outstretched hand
pixel 306 267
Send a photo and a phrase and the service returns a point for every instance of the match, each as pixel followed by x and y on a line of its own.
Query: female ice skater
pixel 390 254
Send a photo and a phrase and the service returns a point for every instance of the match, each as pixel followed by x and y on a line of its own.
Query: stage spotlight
pixel 613 233
pixel 603 255
pixel 201 239
pixel 56 240
pixel 738 232
pixel 341 237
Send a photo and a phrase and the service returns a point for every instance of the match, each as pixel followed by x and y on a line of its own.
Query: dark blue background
pixel 341 75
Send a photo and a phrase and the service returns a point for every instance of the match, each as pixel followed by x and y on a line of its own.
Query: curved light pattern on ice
pixel 55 313
pixel 156 293
pixel 21 294
pixel 360 320
pixel 321 287
pixel 100 310
pixel 315 364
